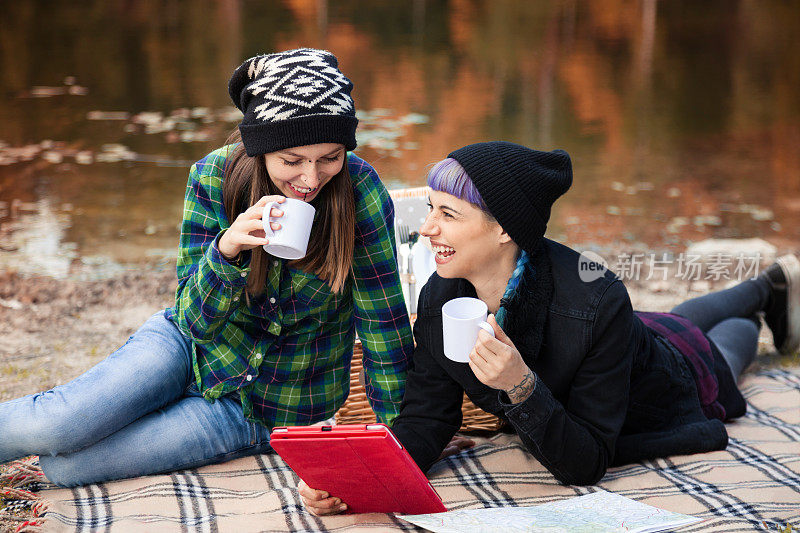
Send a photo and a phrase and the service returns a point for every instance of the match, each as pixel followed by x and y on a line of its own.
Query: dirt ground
pixel 53 330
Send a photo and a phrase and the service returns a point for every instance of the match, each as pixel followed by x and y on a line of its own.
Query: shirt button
pixel 272 300
pixel 249 377
pixel 235 298
pixel 244 274
pixel 258 356
pixel 276 262
pixel 523 416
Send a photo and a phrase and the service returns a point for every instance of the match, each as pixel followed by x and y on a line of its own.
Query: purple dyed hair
pixel 448 176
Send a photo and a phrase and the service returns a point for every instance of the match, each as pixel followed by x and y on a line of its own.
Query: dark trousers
pixel 729 318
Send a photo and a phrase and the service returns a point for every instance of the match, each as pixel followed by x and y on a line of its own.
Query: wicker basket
pixel 356 410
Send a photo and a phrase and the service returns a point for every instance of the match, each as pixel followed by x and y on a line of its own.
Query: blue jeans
pixel 135 413
pixel 729 318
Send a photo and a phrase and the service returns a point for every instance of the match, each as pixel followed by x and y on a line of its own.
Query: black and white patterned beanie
pixel 293 98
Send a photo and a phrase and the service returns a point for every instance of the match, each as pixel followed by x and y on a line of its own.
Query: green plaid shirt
pixel 287 354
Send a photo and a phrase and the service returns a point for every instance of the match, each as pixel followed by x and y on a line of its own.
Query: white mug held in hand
pixel 291 240
pixel 462 319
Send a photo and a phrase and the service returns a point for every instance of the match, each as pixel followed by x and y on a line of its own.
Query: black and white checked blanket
pixel 753 485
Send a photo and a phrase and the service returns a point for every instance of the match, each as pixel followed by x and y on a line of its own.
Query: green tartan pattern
pixel 287 354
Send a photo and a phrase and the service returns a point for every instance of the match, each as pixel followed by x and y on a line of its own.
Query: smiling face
pixel 302 171
pixel 465 241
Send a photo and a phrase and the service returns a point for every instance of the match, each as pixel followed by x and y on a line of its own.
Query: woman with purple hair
pixel 586 382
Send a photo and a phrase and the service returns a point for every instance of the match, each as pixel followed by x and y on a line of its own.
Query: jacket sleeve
pixel 209 287
pixel 431 410
pixel 575 441
pixel 380 315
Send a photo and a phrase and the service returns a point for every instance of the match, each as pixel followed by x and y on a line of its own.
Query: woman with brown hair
pixel 253 341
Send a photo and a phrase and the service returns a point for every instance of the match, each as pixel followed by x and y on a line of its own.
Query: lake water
pixel 682 118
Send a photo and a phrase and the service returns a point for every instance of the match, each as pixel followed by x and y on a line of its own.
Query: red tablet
pixel 364 465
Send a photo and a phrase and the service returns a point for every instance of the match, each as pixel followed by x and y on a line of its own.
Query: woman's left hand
pixel 497 363
pixel 456 444
pixel 319 502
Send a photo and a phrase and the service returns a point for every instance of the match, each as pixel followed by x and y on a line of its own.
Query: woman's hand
pixel 319 502
pixel 247 231
pixel 456 444
pixel 497 363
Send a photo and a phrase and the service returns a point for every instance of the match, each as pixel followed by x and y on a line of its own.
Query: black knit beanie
pixel 519 185
pixel 293 98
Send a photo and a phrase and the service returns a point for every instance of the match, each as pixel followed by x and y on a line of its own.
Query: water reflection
pixel 682 118
pixel 37 240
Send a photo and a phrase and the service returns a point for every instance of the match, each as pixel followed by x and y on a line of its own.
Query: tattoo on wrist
pixel 523 389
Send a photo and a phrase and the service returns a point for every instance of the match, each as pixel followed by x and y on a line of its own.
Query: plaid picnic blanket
pixel 753 485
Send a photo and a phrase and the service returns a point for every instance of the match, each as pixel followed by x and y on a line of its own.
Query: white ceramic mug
pixel 291 240
pixel 462 319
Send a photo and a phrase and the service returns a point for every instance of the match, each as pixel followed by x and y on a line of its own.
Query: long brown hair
pixel 330 247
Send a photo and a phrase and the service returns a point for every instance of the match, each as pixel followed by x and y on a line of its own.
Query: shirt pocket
pixel 315 293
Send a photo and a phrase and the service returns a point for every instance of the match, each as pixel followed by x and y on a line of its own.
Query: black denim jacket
pixel 608 390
